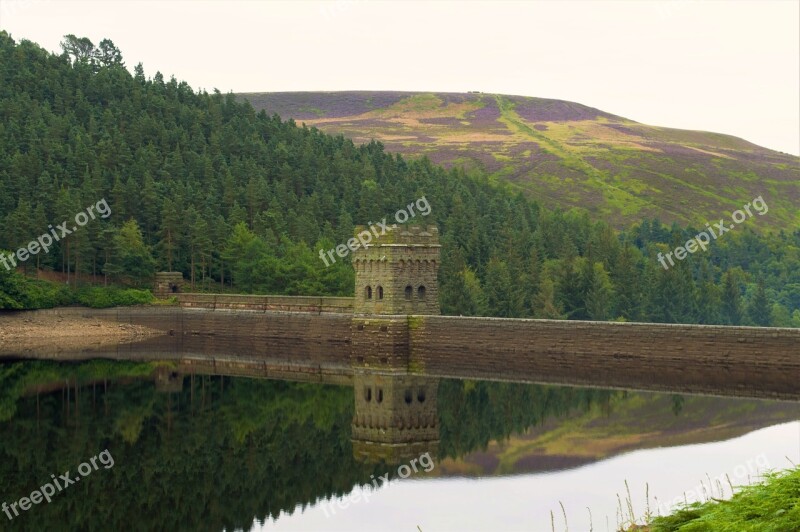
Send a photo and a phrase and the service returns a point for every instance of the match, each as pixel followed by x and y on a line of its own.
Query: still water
pixel 150 448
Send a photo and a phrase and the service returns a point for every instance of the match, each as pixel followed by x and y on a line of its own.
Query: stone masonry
pixel 167 284
pixel 398 273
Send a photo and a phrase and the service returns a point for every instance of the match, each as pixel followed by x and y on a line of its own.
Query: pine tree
pixel 545 304
pixel 731 299
pixel 709 297
pixel 599 298
pixel 760 309
pixel 627 282
pixel 131 260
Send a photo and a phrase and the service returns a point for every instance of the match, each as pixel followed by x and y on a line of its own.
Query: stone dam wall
pixel 739 361
pixel 293 340
pixel 747 361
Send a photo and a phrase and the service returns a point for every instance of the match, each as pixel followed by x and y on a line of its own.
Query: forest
pixel 240 201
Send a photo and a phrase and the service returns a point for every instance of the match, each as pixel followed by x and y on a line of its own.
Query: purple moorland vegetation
pixel 309 105
pixel 541 110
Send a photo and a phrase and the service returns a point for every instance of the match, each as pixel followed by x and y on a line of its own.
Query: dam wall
pixel 747 361
pixel 716 360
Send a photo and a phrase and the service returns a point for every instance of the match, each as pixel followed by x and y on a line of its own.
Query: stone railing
pixel 314 304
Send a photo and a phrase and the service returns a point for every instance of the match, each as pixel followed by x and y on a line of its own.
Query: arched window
pixel 421 292
pixel 380 395
pixel 421 395
pixel 368 393
pixel 409 291
pixel 408 396
pixel 380 292
pixel 369 292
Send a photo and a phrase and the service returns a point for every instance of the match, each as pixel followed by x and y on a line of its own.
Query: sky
pixel 725 66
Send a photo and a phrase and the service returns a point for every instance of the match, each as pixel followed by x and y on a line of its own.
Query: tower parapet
pixel 398 272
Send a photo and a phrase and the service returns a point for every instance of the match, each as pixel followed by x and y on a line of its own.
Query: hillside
pixel 563 153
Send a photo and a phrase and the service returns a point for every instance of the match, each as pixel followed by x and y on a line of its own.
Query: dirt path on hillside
pixel 30 331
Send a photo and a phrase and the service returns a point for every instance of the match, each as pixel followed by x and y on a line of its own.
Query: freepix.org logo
pixel 702 239
pixel 365 237
pixel 47 490
pixel 425 462
pixel 55 234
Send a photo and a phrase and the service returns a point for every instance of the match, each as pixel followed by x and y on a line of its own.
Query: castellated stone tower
pixel 396 417
pixel 397 272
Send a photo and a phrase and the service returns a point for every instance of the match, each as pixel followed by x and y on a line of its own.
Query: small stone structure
pixel 167 284
pixel 397 274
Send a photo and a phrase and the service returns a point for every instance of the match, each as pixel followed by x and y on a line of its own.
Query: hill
pixel 563 153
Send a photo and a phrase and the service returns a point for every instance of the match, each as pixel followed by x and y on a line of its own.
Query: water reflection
pixel 396 417
pixel 196 450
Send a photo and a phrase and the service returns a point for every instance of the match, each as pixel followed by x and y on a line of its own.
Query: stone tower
pixel 396 417
pixel 397 272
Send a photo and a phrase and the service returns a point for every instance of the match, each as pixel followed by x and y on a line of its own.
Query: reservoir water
pixel 385 452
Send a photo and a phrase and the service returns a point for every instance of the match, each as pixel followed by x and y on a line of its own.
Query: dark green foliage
pixel 759 309
pixel 731 299
pixel 18 292
pixel 97 297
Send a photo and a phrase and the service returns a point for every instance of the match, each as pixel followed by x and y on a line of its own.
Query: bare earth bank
pixel 32 329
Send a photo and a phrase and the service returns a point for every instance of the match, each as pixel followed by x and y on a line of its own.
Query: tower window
pixel 369 292
pixel 380 395
pixel 409 290
pixel 380 292
pixel 421 292
pixel 408 397
pixel 368 394
pixel 421 395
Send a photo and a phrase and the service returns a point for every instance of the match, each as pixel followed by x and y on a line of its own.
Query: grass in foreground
pixel 770 506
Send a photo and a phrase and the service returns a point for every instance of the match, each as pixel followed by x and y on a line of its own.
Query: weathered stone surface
pixel 314 304
pixel 741 361
pixel 397 273
pixel 167 284
pixel 747 361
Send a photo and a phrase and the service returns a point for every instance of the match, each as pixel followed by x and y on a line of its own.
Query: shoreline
pixel 29 330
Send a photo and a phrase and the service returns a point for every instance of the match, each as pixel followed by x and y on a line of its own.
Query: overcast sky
pixel 725 66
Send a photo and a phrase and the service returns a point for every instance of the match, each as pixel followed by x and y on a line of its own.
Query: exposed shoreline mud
pixel 32 330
